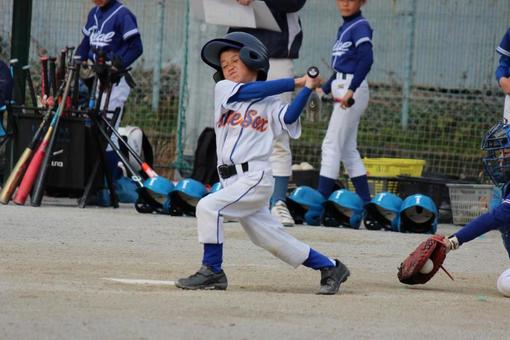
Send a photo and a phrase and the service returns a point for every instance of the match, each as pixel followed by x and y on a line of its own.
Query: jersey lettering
pixel 251 120
pixel 101 39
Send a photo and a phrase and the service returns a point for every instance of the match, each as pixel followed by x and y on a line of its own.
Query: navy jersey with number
pixel 109 28
pixel 351 34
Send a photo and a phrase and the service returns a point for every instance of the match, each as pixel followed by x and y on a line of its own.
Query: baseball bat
pixel 350 101
pixel 61 67
pixel 313 72
pixel 69 51
pixel 76 86
pixel 12 69
pixel 37 160
pixel 146 168
pixel 38 188
pixel 12 64
pixel 53 76
pixel 22 163
pixel 45 91
pixel 30 83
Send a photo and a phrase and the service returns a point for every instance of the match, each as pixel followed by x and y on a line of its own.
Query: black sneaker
pixel 331 278
pixel 205 278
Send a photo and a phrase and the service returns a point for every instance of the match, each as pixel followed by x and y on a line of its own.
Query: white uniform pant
pixel 245 197
pixel 506 112
pixel 281 157
pixel 340 143
pixel 118 97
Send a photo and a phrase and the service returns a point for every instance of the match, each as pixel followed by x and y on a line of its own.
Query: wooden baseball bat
pixel 45 89
pixel 53 77
pixel 39 160
pixel 22 163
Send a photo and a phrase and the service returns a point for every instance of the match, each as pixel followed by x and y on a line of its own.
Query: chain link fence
pixel 432 88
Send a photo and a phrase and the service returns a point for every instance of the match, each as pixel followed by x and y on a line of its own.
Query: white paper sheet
pixel 230 13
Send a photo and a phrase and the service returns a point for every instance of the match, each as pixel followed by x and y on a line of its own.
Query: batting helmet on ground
pixel 383 212
pixel 305 205
pixel 184 198
pixel 343 208
pixel 418 214
pixel 252 52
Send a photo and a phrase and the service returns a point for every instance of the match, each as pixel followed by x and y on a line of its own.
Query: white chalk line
pixel 141 281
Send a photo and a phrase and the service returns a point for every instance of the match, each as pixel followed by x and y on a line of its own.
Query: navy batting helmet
pixel 252 52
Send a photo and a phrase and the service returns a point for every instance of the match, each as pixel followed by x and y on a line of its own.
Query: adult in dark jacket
pixel 283 48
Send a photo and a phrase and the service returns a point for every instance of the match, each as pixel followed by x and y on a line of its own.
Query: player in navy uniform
pixel 351 58
pixel 112 28
pixel 5 96
pixel 248 117
pixel 503 71
pixel 496 144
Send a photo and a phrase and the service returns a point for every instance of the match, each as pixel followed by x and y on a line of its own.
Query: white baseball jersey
pixel 245 133
pixel 245 130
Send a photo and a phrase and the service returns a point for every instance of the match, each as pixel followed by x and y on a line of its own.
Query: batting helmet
pixel 418 214
pixel 383 212
pixel 305 205
pixel 154 196
pixel 185 196
pixel 216 187
pixel 252 52
pixel 343 208
pixel 496 144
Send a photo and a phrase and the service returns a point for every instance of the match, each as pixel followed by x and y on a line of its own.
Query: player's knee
pixel 503 283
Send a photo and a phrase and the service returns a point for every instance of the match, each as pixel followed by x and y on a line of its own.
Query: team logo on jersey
pixel 101 39
pixel 250 120
pixel 341 48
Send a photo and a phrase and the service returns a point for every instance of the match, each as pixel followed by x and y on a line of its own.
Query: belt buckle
pixel 223 171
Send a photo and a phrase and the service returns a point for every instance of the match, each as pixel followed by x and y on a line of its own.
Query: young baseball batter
pixel 248 116
pixel 112 28
pixel 503 71
pixel 351 59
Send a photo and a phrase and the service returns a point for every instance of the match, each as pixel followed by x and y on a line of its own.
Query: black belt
pixel 344 75
pixel 227 171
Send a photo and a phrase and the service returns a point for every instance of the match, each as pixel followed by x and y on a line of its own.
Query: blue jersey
pixel 354 31
pixel 503 69
pixel 109 28
pixel 504 45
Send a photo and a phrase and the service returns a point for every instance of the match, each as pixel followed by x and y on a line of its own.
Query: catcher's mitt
pixel 433 248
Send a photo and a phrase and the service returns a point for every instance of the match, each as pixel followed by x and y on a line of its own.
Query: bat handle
pixel 350 102
pixel 313 72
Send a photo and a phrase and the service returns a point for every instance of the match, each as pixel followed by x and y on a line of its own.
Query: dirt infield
pixel 54 261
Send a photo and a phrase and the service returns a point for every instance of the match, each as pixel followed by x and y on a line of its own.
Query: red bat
pixel 45 147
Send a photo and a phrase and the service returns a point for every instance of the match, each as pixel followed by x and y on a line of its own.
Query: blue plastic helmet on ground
pixel 343 208
pixel 383 212
pixel 216 187
pixel 185 196
pixel 305 205
pixel 418 214
pixel 157 190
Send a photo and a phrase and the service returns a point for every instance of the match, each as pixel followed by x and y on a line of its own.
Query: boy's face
pixel 349 7
pixel 100 3
pixel 234 69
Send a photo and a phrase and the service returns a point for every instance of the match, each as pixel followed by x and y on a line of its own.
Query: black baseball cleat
pixel 205 278
pixel 331 278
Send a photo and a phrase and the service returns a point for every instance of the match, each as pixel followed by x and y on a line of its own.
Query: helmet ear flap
pixel 218 76
pixel 255 60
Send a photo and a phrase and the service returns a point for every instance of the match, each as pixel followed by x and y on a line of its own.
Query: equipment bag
pixel 139 142
pixel 204 165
